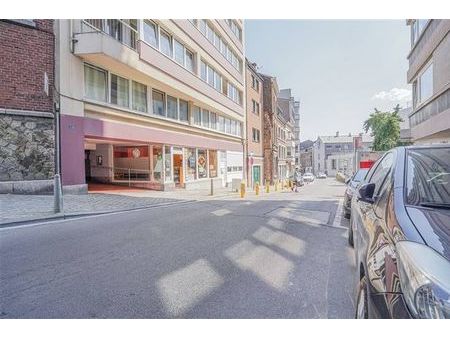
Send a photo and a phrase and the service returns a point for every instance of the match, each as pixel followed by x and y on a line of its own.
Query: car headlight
pixel 425 280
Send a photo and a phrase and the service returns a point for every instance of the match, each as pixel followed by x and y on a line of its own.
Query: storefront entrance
pixel 178 175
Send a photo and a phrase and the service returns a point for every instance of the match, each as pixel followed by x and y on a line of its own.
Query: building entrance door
pixel 256 174
pixel 178 176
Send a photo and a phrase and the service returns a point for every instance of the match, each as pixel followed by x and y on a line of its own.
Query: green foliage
pixel 385 128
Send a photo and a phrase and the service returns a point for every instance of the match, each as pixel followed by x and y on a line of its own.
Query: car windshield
pixel 360 174
pixel 428 176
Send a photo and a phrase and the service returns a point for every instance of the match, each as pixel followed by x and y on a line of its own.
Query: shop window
pixel 212 163
pixel 157 163
pixel 131 163
pixel 191 166
pixel 202 163
pixel 168 164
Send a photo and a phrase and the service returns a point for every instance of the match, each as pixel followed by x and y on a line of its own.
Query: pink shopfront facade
pixel 104 151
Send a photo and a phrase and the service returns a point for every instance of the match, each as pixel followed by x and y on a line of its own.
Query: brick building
pixel 254 122
pixel 270 141
pixel 26 105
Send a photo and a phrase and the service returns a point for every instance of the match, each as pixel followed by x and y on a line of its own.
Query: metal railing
pixel 123 174
pixel 123 30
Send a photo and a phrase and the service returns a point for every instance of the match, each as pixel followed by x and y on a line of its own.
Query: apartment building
pixel 429 74
pixel 270 126
pixel 306 156
pixel 285 134
pixel 254 123
pixel 156 104
pixel 287 99
pixel 27 138
pixel 336 153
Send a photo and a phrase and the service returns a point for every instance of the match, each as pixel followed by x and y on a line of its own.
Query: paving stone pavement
pixel 15 208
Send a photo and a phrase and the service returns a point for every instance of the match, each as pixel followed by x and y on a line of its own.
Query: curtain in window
pixel 158 103
pixel 139 97
pixel 95 83
pixel 172 107
pixel 150 33
pixel 119 91
pixel 183 110
pixel 166 43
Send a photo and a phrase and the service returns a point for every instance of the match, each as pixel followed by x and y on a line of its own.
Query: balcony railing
pixel 123 30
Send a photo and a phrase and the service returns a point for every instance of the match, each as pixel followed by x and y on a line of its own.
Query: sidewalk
pixel 18 209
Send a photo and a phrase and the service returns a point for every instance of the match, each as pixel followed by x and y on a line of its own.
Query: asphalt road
pixel 279 257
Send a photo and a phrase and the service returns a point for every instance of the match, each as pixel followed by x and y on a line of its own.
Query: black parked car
pixel 400 226
pixel 352 184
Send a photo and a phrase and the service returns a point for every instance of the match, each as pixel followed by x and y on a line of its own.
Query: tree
pixel 385 128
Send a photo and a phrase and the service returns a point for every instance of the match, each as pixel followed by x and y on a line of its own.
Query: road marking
pixel 338 216
pixel 221 212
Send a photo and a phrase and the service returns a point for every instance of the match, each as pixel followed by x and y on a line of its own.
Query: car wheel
pixel 347 215
pixel 361 301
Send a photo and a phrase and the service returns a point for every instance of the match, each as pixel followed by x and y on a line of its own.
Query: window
pixel 256 135
pixel 255 107
pixel 381 171
pixel 95 83
pixel 428 176
pixel 184 110
pixel 417 28
pixel 168 164
pixel 157 163
pixel 210 76
pixel 189 60
pixel 202 26
pixel 191 164
pixel 119 91
pixel 426 84
pixel 166 43
pixel 228 126
pixel 202 162
pixel 150 33
pixel 233 127
pixel 221 120
pixel 172 107
pixel 203 71
pixel 197 116
pixel 205 118
pixel 255 83
pixel 239 129
pixel 213 119
pixel 210 33
pixel 235 29
pixel 217 81
pixel 212 163
pixel 158 103
pixel 139 97
pixel 179 53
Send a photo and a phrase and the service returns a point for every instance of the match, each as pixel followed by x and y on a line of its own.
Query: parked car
pixel 352 184
pixel 400 227
pixel 321 175
pixel 308 177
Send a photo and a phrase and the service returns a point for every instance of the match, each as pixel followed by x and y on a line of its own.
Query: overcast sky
pixel 339 70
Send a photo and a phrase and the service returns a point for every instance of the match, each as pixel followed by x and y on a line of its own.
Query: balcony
pixel 122 30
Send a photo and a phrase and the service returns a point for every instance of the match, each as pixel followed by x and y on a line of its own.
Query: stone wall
pixel 26 147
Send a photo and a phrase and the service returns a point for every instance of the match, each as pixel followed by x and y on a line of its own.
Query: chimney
pixel 337 134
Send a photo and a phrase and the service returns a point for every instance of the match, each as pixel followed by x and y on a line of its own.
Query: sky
pixel 339 70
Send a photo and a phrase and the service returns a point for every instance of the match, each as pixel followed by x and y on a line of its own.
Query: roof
pixel 345 138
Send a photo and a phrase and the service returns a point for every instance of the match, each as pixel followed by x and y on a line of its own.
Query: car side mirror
pixel 365 193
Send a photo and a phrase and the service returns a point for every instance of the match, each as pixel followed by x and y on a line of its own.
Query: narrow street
pixel 284 255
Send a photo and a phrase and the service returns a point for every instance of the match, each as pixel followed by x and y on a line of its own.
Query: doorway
pixel 87 165
pixel 256 174
pixel 178 176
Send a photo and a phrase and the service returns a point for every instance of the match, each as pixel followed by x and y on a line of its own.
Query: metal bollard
pixel 242 189
pixel 276 186
pixel 212 187
pixel 257 189
pixel 57 195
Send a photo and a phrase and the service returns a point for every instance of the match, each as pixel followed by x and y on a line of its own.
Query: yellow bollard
pixel 267 187
pixel 242 189
pixel 257 188
pixel 276 185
